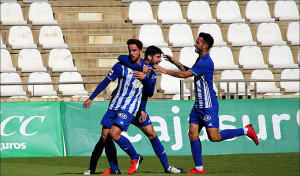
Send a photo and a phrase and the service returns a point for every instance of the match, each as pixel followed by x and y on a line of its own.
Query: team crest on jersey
pixel 122 115
pixel 136 83
pixel 207 118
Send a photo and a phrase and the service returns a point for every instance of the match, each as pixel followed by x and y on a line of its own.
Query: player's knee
pixel 151 135
pixel 114 134
pixel 214 138
pixel 193 136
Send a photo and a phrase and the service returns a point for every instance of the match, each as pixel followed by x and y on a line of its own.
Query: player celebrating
pixel 123 107
pixel 206 107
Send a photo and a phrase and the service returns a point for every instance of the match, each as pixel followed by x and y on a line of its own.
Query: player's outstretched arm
pixel 180 74
pixel 124 59
pixel 179 65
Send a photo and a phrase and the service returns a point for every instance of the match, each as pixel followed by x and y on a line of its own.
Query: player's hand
pixel 143 116
pixel 146 70
pixel 160 68
pixel 169 58
pixel 139 75
pixel 87 103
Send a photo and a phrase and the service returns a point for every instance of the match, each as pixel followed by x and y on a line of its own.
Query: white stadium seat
pixel 30 60
pixel 13 91
pixel 169 12
pixel 222 58
pixel 268 34
pixel 258 12
pixel 215 31
pixel 251 57
pixel 229 12
pixel 281 57
pixel 140 12
pixel 239 34
pixel 61 60
pixel 233 74
pixel 199 12
pixel 51 37
pixel 181 35
pixel 151 34
pixel 43 91
pixel 264 87
pixel 74 90
pixel 20 37
pixel 40 13
pixel 6 62
pixel 292 34
pixel 286 10
pixel 171 85
pixel 290 86
pixel 166 64
pixel 11 14
pixel 188 56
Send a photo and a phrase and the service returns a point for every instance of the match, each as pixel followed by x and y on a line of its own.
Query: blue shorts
pixel 207 117
pixel 119 118
pixel 137 123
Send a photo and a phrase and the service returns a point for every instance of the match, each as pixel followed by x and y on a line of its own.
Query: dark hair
pixel 152 50
pixel 208 39
pixel 136 42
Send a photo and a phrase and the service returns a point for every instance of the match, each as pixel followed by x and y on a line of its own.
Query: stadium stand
pixel 268 88
pixel 258 12
pixel 171 85
pixel 12 91
pixel 281 57
pixel 141 13
pixel 43 91
pixel 251 57
pixel 291 86
pixel 11 14
pixel 292 34
pixel 269 34
pixel 229 12
pixel 2 46
pixel 166 64
pixel 30 60
pixel 181 35
pixel 286 10
pixel 151 34
pixel 20 37
pixel 215 31
pixel 232 87
pixel 74 90
pixel 169 12
pixel 6 63
pixel 61 60
pixel 40 13
pixel 223 58
pixel 51 37
pixel 199 12
pixel 239 34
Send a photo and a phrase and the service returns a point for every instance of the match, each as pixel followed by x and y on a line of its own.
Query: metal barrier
pixel 237 81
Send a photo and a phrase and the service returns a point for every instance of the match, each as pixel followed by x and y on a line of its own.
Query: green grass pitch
pixel 238 164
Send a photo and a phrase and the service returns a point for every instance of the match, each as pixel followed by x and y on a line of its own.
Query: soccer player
pixel 152 57
pixel 206 107
pixel 123 107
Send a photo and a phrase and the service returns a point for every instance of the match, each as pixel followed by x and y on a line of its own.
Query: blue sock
pixel 160 152
pixel 125 145
pixel 231 133
pixel 197 152
pixel 111 154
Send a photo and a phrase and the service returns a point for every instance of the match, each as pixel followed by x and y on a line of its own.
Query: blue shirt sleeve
pixel 201 67
pixel 114 73
pixel 124 59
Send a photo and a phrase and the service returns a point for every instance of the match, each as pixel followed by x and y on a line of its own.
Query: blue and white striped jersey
pixel 127 96
pixel 205 95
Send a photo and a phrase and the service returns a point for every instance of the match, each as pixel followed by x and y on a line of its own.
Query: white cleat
pixel 89 172
pixel 173 170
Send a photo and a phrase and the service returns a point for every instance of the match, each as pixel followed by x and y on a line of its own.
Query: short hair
pixel 136 42
pixel 208 39
pixel 152 50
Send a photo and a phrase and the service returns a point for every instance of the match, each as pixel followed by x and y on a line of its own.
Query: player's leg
pixel 111 154
pixel 97 152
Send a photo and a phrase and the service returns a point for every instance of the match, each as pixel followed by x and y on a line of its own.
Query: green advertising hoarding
pixel 275 120
pixel 31 129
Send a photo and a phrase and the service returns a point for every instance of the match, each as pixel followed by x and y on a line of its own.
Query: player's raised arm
pixel 124 59
pixel 180 74
pixel 179 65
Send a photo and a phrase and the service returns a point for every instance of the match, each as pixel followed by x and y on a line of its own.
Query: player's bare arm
pixel 180 74
pixel 175 62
